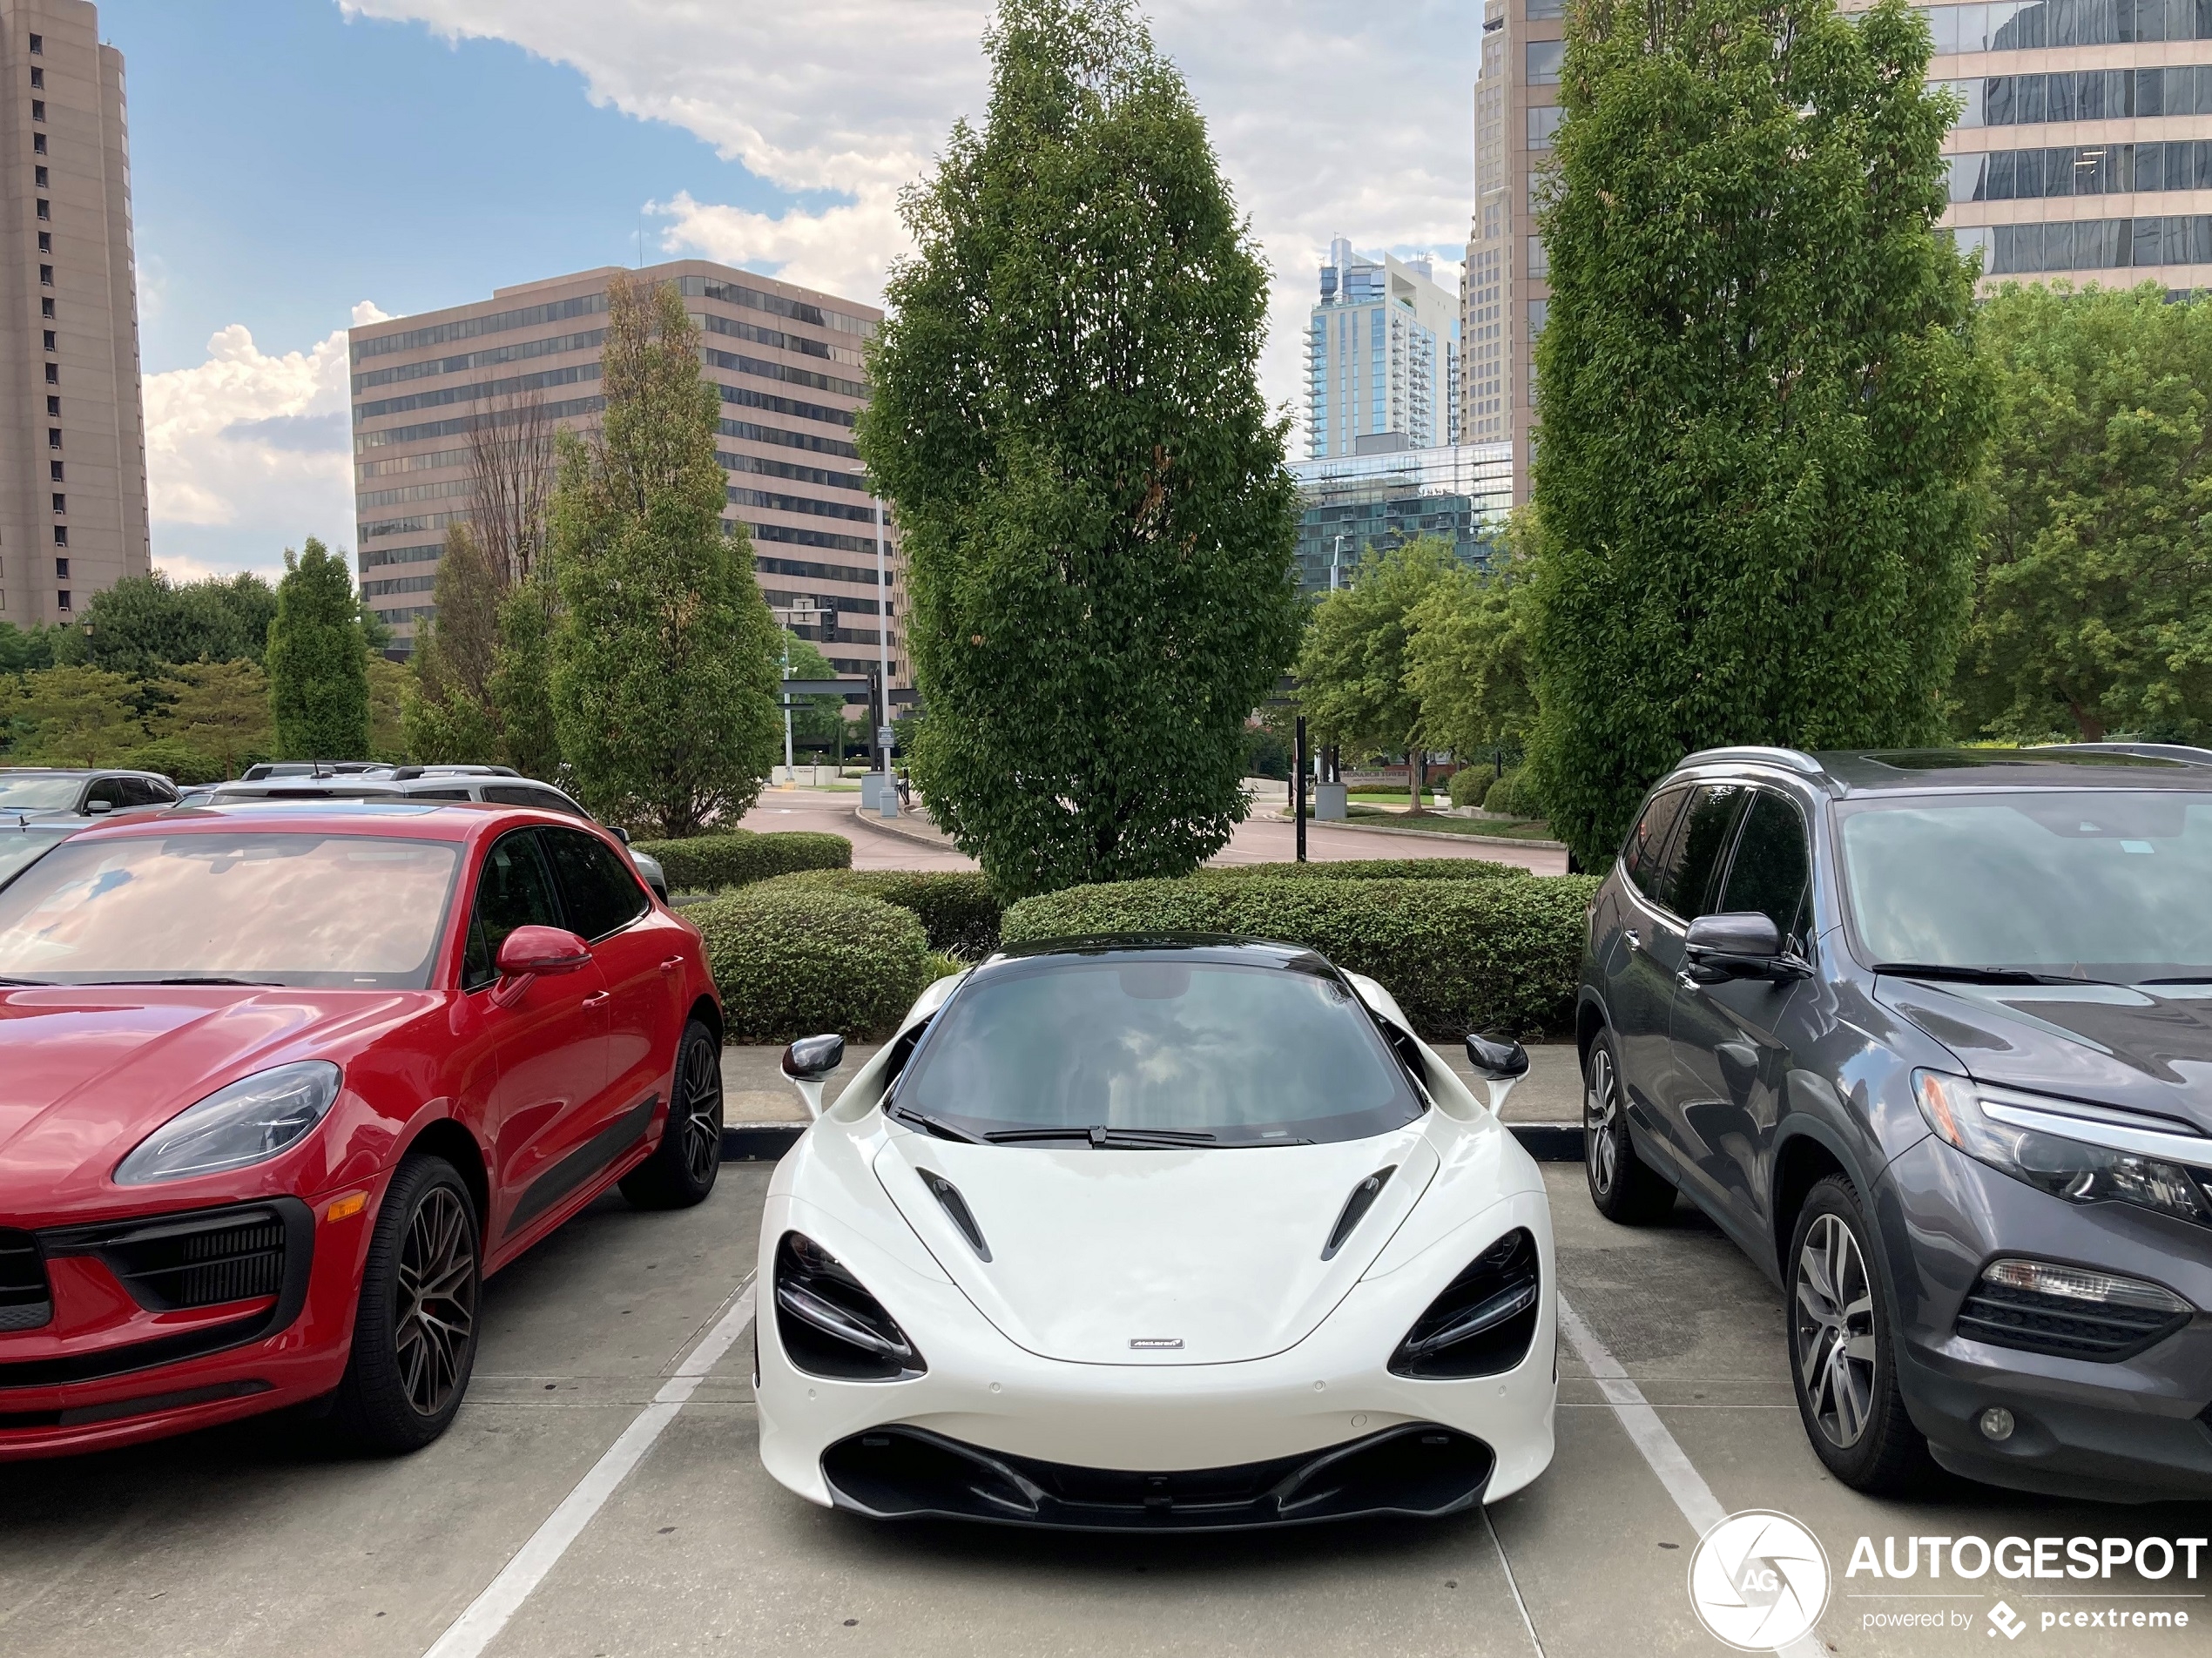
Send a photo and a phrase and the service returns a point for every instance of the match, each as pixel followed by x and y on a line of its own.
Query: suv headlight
pixel 2113 1157
pixel 247 1122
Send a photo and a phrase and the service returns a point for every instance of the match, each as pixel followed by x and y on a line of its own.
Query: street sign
pixel 885 737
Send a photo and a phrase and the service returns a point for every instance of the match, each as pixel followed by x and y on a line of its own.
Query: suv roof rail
pixel 2183 752
pixel 1790 759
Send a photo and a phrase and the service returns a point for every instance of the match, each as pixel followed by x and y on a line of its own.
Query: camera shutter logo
pixel 1758 1581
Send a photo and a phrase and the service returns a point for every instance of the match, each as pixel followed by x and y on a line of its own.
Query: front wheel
pixel 1843 1348
pixel 681 1170
pixel 414 1335
pixel 1626 1189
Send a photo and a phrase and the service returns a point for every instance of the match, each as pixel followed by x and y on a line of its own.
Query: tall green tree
pixel 218 709
pixel 318 660
pixel 1097 521
pixel 1355 672
pixel 1762 413
pixel 1467 660
pixel 146 625
pixel 447 713
pixel 521 687
pixel 27 650
pixel 665 654
pixel 2093 595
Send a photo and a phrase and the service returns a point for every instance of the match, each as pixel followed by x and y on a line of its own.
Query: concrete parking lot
pixel 258 1540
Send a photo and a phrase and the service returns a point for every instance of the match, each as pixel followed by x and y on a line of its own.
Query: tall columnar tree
pixel 521 687
pixel 1097 521
pixel 1761 407
pixel 448 712
pixel 2093 602
pixel 1467 657
pixel 318 660
pixel 664 656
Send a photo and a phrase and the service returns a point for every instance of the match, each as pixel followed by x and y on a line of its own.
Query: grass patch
pixel 1442 825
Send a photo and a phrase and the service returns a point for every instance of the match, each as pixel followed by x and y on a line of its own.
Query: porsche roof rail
pixel 1789 758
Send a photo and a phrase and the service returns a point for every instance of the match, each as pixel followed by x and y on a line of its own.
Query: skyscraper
pixel 1382 357
pixel 785 360
pixel 2084 154
pixel 72 449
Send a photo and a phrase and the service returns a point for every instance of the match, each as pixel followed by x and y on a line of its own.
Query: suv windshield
pixel 272 908
pixel 39 793
pixel 2089 884
pixel 1216 1053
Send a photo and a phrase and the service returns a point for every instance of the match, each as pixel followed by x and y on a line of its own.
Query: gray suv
pixel 1928 1035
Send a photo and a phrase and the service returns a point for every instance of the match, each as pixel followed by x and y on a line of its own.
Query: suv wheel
pixel 1843 1348
pixel 681 1170
pixel 1626 1189
pixel 414 1336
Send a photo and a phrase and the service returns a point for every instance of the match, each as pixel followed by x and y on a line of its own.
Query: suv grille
pixel 200 1263
pixel 2060 1325
pixel 25 1302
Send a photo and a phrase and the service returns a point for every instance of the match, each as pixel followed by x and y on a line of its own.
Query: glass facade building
pixel 1382 357
pixel 1353 505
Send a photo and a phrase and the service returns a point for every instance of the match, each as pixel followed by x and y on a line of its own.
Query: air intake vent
pixel 2067 1313
pixel 236 1255
pixel 956 1206
pixel 1355 1210
pixel 25 1302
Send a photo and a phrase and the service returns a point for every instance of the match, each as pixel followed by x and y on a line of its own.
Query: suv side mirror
pixel 1742 944
pixel 1500 1062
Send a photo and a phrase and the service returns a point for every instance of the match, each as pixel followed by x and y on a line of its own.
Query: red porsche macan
pixel 279 1086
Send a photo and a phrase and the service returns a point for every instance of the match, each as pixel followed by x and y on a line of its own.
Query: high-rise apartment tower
pixel 1382 357
pixel 785 360
pixel 72 447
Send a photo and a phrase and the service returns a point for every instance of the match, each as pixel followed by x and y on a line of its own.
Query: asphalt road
pixel 257 1541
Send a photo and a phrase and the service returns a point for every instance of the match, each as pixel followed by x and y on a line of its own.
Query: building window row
pixel 472 328
pixel 811 572
pixel 772 404
pixel 700 288
pixel 821 538
pixel 762 370
pixel 428 552
pixel 739 329
pixel 767 468
pixel 462 425
pixel 2025 25
pixel 551 347
pixel 800 503
pixel 483 388
pixel 759 433
pixel 2085 95
pixel 2091 243
pixel 401 584
pixel 2082 170
pixel 429 462
pixel 452 487
pixel 421 523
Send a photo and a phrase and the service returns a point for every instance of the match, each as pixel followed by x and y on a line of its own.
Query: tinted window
pixel 1646 845
pixel 106 789
pixel 438 795
pixel 1772 871
pixel 525 794
pixel 516 890
pixel 598 883
pixel 143 792
pixel 1700 846
pixel 1253 1055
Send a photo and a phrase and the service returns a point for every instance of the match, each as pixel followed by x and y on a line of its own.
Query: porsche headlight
pixel 249 1121
pixel 2105 1159
pixel 830 1324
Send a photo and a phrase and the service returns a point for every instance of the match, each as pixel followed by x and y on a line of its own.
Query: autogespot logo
pixel 1758 1581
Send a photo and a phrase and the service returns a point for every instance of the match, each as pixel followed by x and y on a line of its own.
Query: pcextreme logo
pixel 2148 1584
pixel 1758 1581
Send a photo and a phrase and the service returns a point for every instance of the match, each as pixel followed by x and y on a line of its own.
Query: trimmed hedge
pixel 792 962
pixel 1513 796
pixel 1470 784
pixel 1484 954
pixel 1365 869
pixel 957 907
pixel 739 857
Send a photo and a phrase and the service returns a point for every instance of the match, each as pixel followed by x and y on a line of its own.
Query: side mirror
pixel 530 950
pixel 622 834
pixel 1501 1061
pixel 1741 944
pixel 808 1061
pixel 98 808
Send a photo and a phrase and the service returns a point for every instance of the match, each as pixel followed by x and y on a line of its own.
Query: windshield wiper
pixel 1977 975
pixel 1098 1135
pixel 2181 978
pixel 265 984
pixel 922 1119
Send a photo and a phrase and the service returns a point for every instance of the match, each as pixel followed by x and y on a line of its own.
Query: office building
pixel 72 450
pixel 785 360
pixel 1350 506
pixel 2084 154
pixel 1382 357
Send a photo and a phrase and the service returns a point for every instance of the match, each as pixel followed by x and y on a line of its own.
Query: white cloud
pixel 1328 118
pixel 250 450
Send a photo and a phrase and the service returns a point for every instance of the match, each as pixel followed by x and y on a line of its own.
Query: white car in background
pixel 1156 1234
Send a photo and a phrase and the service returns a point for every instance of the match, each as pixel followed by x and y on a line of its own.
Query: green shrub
pixel 1469 785
pixel 739 857
pixel 957 907
pixel 1360 869
pixel 1499 956
pixel 791 963
pixel 179 761
pixel 1513 797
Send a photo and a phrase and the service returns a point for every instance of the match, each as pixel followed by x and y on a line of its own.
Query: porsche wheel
pixel 681 1171
pixel 1626 1189
pixel 414 1336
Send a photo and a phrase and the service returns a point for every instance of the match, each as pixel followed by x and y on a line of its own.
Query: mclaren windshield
pixel 2092 883
pixel 1125 1049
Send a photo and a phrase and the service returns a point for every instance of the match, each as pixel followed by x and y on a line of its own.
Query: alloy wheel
pixel 1601 1126
pixel 698 1098
pixel 437 1301
pixel 1833 1321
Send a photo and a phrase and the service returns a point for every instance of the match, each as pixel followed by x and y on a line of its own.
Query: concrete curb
pixel 1421 834
pixel 767 1142
pixel 893 826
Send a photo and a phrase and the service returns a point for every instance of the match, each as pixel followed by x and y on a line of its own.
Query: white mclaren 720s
pixel 1175 1234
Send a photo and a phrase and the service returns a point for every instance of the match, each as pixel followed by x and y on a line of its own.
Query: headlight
pixel 831 1325
pixel 2112 1158
pixel 247 1122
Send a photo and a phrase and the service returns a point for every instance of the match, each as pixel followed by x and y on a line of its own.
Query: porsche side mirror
pixel 529 952
pixel 1500 1062
pixel 808 1061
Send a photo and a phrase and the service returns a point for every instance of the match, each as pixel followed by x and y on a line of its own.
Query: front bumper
pixel 2133 1429
pixel 983 1394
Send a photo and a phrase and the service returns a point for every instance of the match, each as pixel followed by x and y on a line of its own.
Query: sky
pixel 299 166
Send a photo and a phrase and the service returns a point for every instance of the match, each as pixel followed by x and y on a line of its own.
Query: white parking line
pixel 1675 1471
pixel 468 1635
pixel 1527 1622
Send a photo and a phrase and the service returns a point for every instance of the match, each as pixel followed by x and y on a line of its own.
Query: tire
pixel 414 1334
pixel 1843 1348
pixel 682 1168
pixel 1627 1190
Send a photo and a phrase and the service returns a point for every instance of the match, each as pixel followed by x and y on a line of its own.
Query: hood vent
pixel 1355 1210
pixel 956 1206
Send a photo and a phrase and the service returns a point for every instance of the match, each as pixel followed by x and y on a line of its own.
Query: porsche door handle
pixel 597 997
pixel 671 964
